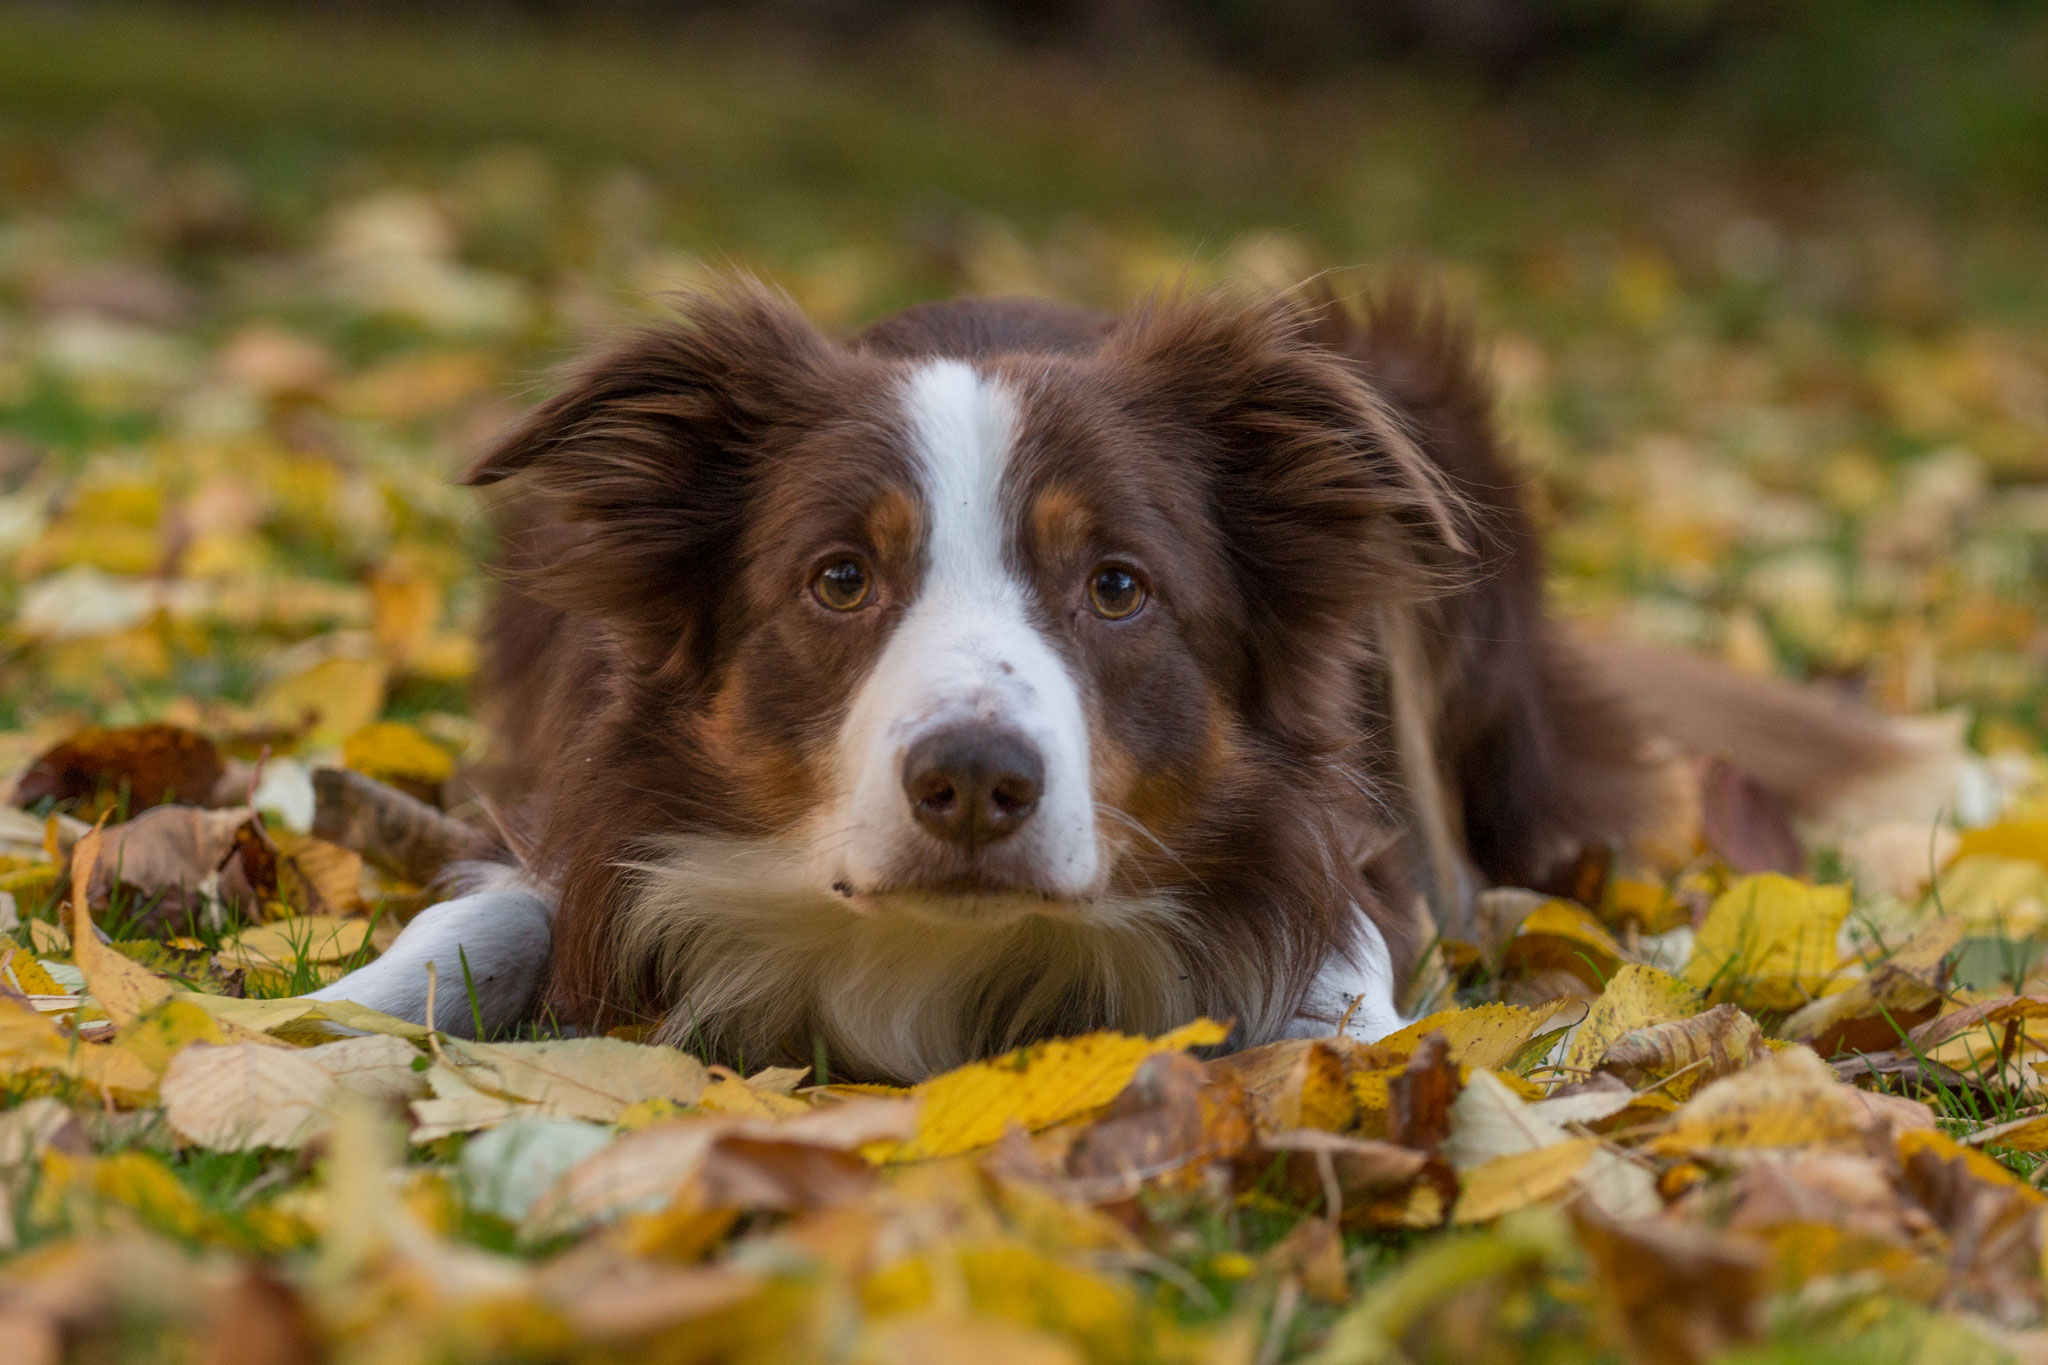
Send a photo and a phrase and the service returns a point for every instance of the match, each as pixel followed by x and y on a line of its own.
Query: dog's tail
pixel 1823 756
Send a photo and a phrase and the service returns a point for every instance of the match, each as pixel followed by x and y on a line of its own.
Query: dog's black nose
pixel 972 784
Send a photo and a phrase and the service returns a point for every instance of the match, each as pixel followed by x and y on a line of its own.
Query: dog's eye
pixel 841 584
pixel 1115 592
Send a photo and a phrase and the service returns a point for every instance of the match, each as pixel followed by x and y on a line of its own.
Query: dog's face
pixel 989 636
pixel 974 642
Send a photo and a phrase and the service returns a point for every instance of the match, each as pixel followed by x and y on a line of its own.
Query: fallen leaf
pixel 1789 1099
pixel 398 755
pixel 244 1097
pixel 141 765
pixel 1420 1098
pixel 1681 1294
pixel 2022 838
pixel 165 866
pixel 1994 897
pixel 1034 1087
pixel 1636 997
pixel 1375 1183
pixel 1769 942
pixel 282 944
pixel 1487 1036
pixel 645 1170
pixel 332 699
pixel 2028 1134
pixel 1304 1082
pixel 481 1084
pixel 1874 1015
pixel 1703 1048
pixel 1518 1179
pixel 1174 1116
pixel 30 1043
pixel 377 1065
pixel 1560 936
pixel 1998 1014
pixel 123 989
pixel 506 1170
pixel 316 877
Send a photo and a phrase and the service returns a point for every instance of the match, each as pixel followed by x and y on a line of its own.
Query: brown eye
pixel 1115 592
pixel 842 584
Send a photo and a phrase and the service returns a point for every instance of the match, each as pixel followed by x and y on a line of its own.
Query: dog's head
pixel 988 632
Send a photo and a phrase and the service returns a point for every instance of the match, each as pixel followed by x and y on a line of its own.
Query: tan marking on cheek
pixel 771 786
pixel 1164 803
pixel 892 525
pixel 1062 523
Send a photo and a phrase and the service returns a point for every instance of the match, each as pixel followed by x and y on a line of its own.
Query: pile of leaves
pixel 1754 1091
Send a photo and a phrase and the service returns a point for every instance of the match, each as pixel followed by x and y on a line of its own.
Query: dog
pixel 1007 670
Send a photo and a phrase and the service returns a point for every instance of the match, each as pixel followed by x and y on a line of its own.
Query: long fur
pixel 762 965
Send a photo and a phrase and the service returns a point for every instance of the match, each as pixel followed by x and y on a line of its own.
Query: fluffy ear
pixel 1330 506
pixel 627 486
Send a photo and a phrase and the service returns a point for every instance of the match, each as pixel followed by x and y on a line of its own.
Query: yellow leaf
pixel 167 1030
pixel 1032 1088
pixel 24 972
pixel 133 1180
pixel 1487 1036
pixel 736 1097
pixel 299 1019
pixel 2025 838
pixel 1769 942
pixel 1559 936
pixel 340 696
pixel 2020 1135
pixel 123 989
pixel 392 749
pixel 1790 1099
pixel 1649 904
pixel 29 1043
pixel 405 603
pixel 1981 1167
pixel 287 942
pixel 1507 1183
pixel 317 877
pixel 1995 896
pixel 1636 997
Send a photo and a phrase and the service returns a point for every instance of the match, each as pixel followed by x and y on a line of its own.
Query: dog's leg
pixel 504 933
pixel 1354 987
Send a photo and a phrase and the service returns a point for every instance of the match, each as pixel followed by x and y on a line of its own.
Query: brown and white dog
pixel 1008 670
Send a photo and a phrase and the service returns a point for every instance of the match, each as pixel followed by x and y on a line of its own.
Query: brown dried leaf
pixel 1175 1115
pixel 1375 1182
pixel 1304 1082
pixel 125 990
pixel 2013 1010
pixel 1681 1294
pixel 161 863
pixel 151 764
pixel 1420 1098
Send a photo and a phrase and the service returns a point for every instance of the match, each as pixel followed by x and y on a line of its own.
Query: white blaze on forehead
pixel 965 650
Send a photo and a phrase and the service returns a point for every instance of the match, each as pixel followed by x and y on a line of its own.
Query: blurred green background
pixel 1766 285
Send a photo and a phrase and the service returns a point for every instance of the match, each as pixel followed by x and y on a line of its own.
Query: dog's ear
pixel 1330 507
pixel 627 488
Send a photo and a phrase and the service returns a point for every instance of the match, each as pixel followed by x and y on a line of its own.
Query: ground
pixel 1782 382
